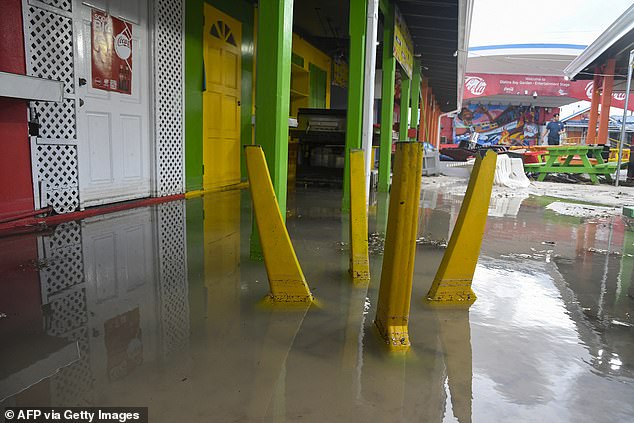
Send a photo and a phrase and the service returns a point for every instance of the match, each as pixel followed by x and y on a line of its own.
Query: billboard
pixel 478 85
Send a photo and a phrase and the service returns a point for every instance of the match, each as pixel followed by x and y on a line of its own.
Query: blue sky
pixel 542 21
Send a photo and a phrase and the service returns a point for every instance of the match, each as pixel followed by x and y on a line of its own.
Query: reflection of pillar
pixel 455 336
pixel 271 363
pixel 383 203
pixel 594 110
pixel 222 258
pixel 606 101
pixel 627 268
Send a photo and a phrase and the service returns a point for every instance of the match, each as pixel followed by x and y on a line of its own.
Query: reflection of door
pixel 120 262
pixel 221 99
pixel 113 128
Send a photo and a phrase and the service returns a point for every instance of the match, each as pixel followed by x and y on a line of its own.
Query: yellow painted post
pixel 359 258
pixel 286 278
pixel 452 284
pixel 395 292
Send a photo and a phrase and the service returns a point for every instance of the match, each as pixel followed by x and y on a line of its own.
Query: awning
pixel 615 42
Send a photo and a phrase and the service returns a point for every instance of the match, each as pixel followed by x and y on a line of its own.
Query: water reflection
pixel 158 306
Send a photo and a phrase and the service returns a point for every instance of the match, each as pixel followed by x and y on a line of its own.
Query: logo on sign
pixel 475 85
pixel 619 96
pixel 616 96
pixel 122 46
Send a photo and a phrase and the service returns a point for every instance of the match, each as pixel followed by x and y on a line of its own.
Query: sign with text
pixel 111 55
pixel 403 45
pixel 479 85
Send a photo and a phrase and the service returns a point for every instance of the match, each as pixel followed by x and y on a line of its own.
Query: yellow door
pixel 221 99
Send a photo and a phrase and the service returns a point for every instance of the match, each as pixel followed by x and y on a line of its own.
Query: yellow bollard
pixel 286 278
pixel 395 292
pixel 452 283
pixel 359 258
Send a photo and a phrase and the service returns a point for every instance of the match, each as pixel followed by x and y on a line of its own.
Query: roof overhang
pixel 440 32
pixel 522 59
pixel 439 28
pixel 615 42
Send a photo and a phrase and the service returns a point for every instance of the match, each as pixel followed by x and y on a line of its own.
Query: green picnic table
pixel 553 164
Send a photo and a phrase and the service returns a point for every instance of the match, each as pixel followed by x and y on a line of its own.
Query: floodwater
pixel 159 307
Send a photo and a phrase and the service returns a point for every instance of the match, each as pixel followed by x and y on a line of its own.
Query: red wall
pixel 16 189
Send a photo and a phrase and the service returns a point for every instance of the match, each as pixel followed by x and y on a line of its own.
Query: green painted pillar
pixel 273 89
pixel 405 87
pixel 387 99
pixel 194 95
pixel 356 72
pixel 415 97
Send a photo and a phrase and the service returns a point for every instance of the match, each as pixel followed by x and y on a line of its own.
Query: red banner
pixel 111 53
pixel 478 85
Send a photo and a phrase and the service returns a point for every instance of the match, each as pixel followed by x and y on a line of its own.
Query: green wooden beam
pixel 387 99
pixel 405 88
pixel 273 87
pixel 356 73
pixel 194 95
pixel 385 6
pixel 415 96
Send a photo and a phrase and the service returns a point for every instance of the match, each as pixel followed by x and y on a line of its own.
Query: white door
pixel 113 128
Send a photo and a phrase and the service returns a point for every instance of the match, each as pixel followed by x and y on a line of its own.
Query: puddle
pixel 157 307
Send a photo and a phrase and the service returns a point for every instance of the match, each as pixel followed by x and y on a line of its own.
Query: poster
pixel 403 51
pixel 501 125
pixel 111 54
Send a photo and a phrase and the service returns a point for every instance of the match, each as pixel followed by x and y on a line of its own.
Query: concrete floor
pixel 158 307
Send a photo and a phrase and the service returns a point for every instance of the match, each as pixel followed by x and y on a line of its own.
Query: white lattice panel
pixel 62 261
pixel 56 171
pixel 57 120
pixel 173 277
pixel 169 95
pixel 72 385
pixel 49 38
pixel 65 5
pixel 67 311
pixel 49 48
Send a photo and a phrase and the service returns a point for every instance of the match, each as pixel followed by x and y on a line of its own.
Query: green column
pixel 405 87
pixel 273 88
pixel 356 72
pixel 194 95
pixel 387 98
pixel 415 96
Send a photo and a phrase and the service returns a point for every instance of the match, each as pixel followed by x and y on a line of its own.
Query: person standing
pixel 554 129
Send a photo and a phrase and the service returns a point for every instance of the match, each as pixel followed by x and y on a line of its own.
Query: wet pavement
pixel 159 307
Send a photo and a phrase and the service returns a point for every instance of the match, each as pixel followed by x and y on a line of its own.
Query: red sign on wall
pixel 111 56
pixel 479 85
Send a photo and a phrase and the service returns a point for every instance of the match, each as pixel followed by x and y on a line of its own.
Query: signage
pixel 484 85
pixel 403 45
pixel 111 53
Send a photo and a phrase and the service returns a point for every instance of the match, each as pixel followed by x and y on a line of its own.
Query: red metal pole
pixel 422 124
pixel 594 110
pixel 606 101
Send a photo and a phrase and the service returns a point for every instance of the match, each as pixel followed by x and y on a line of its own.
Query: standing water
pixel 159 307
